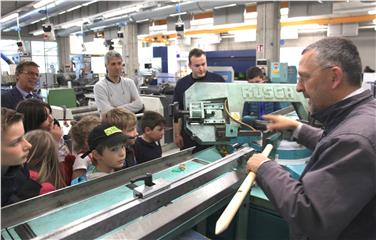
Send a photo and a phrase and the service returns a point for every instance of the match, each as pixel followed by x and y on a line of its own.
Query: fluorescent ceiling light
pixel 74 8
pixel 74 23
pixel 165 7
pixel 37 32
pixel 121 11
pixel 143 20
pixel 100 27
pixel 226 6
pixel 9 29
pixel 371 12
pixel 9 17
pixel 177 14
pixel 86 4
pixel 42 3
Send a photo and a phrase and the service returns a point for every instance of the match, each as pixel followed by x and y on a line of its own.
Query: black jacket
pixel 16 185
pixel 12 97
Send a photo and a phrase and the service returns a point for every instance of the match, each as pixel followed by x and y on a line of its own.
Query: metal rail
pixel 100 223
pixel 25 210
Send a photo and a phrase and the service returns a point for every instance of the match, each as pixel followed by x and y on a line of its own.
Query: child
pixel 147 146
pixel 127 122
pixel 16 184
pixel 106 144
pixel 43 161
pixel 80 134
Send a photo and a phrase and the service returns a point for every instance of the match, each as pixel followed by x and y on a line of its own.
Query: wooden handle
pixel 232 208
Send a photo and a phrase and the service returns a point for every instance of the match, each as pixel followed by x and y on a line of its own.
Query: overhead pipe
pixel 157 13
pixel 6 59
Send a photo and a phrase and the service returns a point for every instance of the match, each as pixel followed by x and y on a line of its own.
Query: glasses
pixel 32 74
pixel 303 79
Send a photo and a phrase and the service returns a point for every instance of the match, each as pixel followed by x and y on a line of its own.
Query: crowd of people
pixel 335 196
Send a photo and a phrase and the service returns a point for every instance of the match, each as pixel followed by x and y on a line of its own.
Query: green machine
pixel 212 110
pixel 59 97
pixel 212 116
pixel 167 197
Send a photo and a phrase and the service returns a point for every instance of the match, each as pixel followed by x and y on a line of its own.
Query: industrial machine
pixel 213 110
pixel 227 72
pixel 282 73
pixel 166 197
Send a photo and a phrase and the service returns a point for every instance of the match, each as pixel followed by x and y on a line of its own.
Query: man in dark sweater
pixel 199 67
pixel 335 197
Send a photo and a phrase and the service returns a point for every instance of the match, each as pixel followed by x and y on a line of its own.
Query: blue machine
pixel 239 60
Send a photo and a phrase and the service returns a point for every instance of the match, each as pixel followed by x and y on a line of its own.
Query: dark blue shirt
pixel 145 151
pixel 258 109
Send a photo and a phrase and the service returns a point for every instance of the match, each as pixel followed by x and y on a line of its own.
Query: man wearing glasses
pixel 27 76
pixel 335 196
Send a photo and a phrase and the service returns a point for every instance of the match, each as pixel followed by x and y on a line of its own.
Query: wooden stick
pixel 228 214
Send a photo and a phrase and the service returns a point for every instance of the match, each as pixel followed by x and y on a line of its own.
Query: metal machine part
pixel 106 207
pixel 212 110
pixel 150 187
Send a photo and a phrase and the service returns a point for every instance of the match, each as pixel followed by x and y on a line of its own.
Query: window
pixel 45 55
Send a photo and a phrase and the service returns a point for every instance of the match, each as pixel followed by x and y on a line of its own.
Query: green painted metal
pixel 208 121
pixel 60 97
pixel 63 216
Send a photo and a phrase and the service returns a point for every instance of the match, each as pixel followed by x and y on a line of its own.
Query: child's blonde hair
pixel 120 117
pixel 43 157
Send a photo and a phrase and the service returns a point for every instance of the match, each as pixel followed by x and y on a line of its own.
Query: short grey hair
pixel 111 54
pixel 340 52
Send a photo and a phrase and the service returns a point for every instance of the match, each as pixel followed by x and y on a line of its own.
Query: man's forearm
pixel 177 128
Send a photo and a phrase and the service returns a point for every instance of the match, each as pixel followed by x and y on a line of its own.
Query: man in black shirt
pixel 199 67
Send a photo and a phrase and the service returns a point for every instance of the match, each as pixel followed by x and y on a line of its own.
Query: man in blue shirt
pixel 199 67
pixel 27 76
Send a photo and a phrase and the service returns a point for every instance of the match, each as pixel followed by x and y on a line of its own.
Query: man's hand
pixel 279 122
pixel 178 140
pixel 56 132
pixel 255 162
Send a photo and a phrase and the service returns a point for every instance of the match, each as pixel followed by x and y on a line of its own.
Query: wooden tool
pixel 228 214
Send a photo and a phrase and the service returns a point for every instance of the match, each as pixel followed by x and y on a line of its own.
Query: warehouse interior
pixel 182 193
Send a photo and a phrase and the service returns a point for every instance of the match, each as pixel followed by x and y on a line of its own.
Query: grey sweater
pixel 335 198
pixel 109 95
